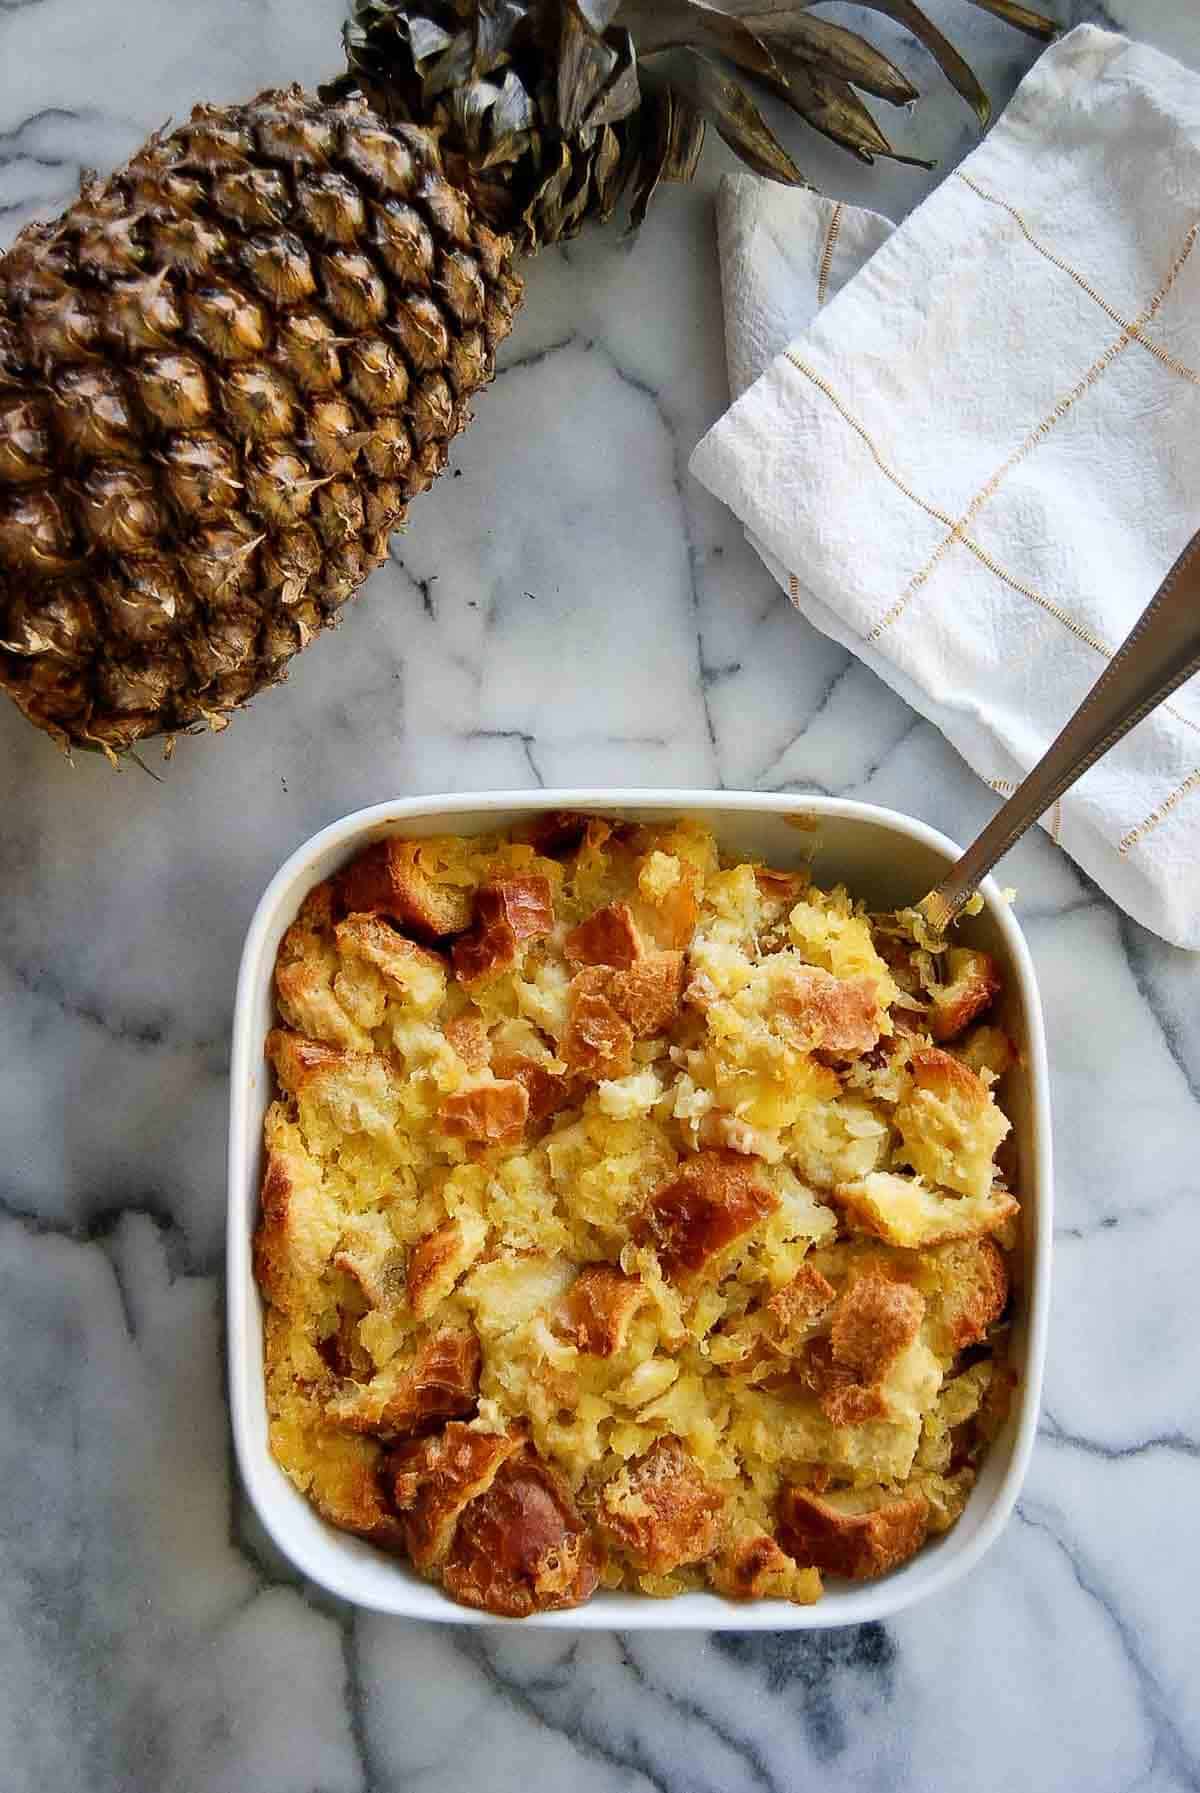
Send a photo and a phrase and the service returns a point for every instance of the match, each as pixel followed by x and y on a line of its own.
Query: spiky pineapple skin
pixel 224 373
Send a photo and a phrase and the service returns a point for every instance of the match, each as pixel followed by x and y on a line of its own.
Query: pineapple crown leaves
pixel 548 110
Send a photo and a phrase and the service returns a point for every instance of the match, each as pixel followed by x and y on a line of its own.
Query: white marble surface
pixel 568 608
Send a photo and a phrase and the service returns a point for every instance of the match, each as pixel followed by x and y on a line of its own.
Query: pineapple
pixel 226 371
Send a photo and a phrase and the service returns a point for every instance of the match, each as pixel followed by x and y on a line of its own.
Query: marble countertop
pixel 567 608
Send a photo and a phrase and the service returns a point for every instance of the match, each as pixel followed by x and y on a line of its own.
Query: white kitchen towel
pixel 977 463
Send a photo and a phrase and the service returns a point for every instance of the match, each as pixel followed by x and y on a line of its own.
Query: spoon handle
pixel 1160 652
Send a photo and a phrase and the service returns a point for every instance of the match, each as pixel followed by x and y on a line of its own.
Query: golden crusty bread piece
pixel 972 984
pixel 856 1534
pixel 400 878
pixel 521 1546
pixel 601 1307
pixel 949 1124
pixel 754 1567
pixel 714 1199
pixel 438 1260
pixel 905 1211
pixel 411 1395
pixel 661 1510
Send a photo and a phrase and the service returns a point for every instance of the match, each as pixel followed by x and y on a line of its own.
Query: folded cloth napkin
pixel 976 464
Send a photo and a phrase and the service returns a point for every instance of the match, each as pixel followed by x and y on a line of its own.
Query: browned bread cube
pixel 434 1479
pixel 601 1306
pixel 846 1533
pixel 649 993
pixel 439 1259
pixel 556 831
pixel 988 1048
pixel 495 1113
pixel 295 1233
pixel 346 1490
pixel 609 936
pixel 523 903
pixel 713 1199
pixel 905 1212
pixel 972 987
pixel 755 1568
pixel 949 1125
pixel 416 972
pixel 872 1323
pixel 389 879
pixel 661 1510
pixel 800 1302
pixel 297 1060
pixel 506 912
pixel 405 1399
pixel 974 1297
pixel 598 1041
pixel 521 1546
pixel 548 1091
pixel 830 1014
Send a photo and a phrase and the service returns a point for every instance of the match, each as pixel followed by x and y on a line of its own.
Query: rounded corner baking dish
pixel 880 854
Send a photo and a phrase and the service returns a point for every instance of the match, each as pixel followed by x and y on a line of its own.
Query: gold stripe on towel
pixel 1160 814
pixel 889 472
pixel 831 237
pixel 957 527
pixel 1131 329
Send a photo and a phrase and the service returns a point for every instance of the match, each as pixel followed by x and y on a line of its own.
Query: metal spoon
pixel 1160 652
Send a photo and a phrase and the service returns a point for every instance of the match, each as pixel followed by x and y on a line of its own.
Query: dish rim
pixel 399 1591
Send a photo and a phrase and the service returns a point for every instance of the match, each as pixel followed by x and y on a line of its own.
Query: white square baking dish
pixel 879 854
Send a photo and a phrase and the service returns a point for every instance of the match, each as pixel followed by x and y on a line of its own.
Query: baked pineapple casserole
pixel 631 1218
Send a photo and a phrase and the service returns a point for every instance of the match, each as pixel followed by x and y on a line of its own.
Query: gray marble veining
pixel 566 607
